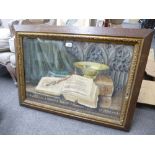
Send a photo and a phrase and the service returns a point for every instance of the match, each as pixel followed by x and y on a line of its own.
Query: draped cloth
pixel 42 56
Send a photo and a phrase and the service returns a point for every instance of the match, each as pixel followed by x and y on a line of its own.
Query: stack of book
pixel 106 88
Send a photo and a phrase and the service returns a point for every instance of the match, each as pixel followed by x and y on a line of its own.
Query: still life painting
pixel 88 78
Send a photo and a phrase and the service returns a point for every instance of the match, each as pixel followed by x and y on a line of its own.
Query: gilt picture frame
pixel 91 74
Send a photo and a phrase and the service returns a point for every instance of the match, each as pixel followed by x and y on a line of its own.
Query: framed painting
pixel 92 74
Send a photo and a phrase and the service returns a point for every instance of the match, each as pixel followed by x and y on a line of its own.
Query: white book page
pixel 49 85
pixel 78 85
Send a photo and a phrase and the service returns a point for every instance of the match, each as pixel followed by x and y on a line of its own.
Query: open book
pixel 74 88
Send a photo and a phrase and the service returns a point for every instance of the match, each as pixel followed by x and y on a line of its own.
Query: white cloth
pixel 5 57
pixel 13 60
pixel 4 39
pixel 12 44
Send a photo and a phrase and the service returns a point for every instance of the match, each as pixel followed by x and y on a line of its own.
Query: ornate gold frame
pixel 126 114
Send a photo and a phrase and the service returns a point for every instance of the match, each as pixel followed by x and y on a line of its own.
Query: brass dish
pixel 90 69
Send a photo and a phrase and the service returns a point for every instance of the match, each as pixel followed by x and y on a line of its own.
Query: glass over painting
pixel 105 65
